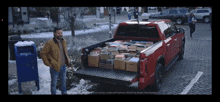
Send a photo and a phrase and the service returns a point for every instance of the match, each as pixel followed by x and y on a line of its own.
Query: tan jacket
pixel 50 54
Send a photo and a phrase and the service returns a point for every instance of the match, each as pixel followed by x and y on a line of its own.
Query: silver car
pixel 202 14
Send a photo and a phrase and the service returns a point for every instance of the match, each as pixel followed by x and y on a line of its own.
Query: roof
pixel 133 21
pixel 161 23
pixel 43 18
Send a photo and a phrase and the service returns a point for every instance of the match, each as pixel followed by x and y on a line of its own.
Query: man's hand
pixel 50 66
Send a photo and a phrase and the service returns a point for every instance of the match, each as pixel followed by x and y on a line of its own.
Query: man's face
pixel 58 34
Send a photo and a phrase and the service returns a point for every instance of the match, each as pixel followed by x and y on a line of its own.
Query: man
pixel 54 55
pixel 136 14
pixel 129 14
pixel 191 21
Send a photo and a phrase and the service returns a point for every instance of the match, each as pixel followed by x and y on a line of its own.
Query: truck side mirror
pixel 181 30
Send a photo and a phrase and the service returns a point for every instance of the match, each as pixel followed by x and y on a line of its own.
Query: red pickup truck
pixel 167 48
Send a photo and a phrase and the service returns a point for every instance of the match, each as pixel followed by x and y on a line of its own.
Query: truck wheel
pixel 158 77
pixel 179 21
pixel 181 54
pixel 206 19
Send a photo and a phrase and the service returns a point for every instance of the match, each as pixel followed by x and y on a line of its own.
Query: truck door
pixel 176 39
pixel 169 46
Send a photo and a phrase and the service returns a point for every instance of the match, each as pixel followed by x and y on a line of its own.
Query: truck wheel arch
pixel 161 60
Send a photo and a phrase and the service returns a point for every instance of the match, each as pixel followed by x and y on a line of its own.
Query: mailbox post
pixel 26 61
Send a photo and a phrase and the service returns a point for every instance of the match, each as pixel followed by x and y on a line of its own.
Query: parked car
pixel 202 14
pixel 166 46
pixel 43 24
pixel 177 15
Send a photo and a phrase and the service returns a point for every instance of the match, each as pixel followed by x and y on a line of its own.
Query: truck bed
pixel 112 76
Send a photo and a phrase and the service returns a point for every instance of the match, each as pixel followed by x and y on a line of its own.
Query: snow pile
pixel 12 81
pixel 68 33
pixel 45 80
pixel 24 43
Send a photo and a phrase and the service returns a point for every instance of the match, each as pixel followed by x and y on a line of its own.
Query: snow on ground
pixel 45 80
pixel 68 33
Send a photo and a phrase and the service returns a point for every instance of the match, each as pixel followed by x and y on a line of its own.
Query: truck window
pixel 172 26
pixel 137 31
pixel 171 30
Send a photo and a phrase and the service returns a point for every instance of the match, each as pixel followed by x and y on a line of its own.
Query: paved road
pixel 181 76
pixel 198 57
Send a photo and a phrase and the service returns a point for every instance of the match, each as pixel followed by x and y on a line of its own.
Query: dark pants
pixel 129 17
pixel 192 28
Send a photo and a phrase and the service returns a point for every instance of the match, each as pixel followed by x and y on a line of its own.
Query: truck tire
pixel 206 19
pixel 158 77
pixel 181 53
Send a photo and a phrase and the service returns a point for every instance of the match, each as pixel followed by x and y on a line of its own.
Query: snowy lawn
pixel 68 33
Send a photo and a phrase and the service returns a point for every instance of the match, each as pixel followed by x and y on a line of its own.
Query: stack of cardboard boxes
pixel 119 55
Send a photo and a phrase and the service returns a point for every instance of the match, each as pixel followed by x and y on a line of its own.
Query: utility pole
pixel 115 8
pixel 109 15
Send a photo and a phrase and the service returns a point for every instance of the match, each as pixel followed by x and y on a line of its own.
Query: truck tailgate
pixel 107 75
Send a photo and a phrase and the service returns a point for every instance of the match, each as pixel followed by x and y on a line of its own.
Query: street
pixel 197 58
pixel 191 75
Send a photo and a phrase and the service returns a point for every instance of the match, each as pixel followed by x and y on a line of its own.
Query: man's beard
pixel 59 37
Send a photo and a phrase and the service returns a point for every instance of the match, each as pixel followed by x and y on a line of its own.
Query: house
pixel 17 15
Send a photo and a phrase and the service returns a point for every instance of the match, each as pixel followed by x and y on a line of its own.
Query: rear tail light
pixel 143 67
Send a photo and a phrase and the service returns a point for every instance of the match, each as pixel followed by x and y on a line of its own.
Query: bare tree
pixel 69 15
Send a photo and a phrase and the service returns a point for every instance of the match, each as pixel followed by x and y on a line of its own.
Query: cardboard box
pixel 133 52
pixel 114 53
pixel 106 64
pixel 140 48
pixel 123 51
pixel 93 60
pixel 126 54
pixel 132 48
pixel 148 44
pixel 113 48
pixel 105 55
pixel 128 43
pixel 119 64
pixel 132 64
pixel 123 47
pixel 95 52
pixel 110 61
pixel 120 57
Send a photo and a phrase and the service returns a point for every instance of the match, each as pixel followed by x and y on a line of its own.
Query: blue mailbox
pixel 26 61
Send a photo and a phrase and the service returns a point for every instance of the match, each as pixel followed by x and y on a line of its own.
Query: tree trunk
pixel 72 30
pixel 72 26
